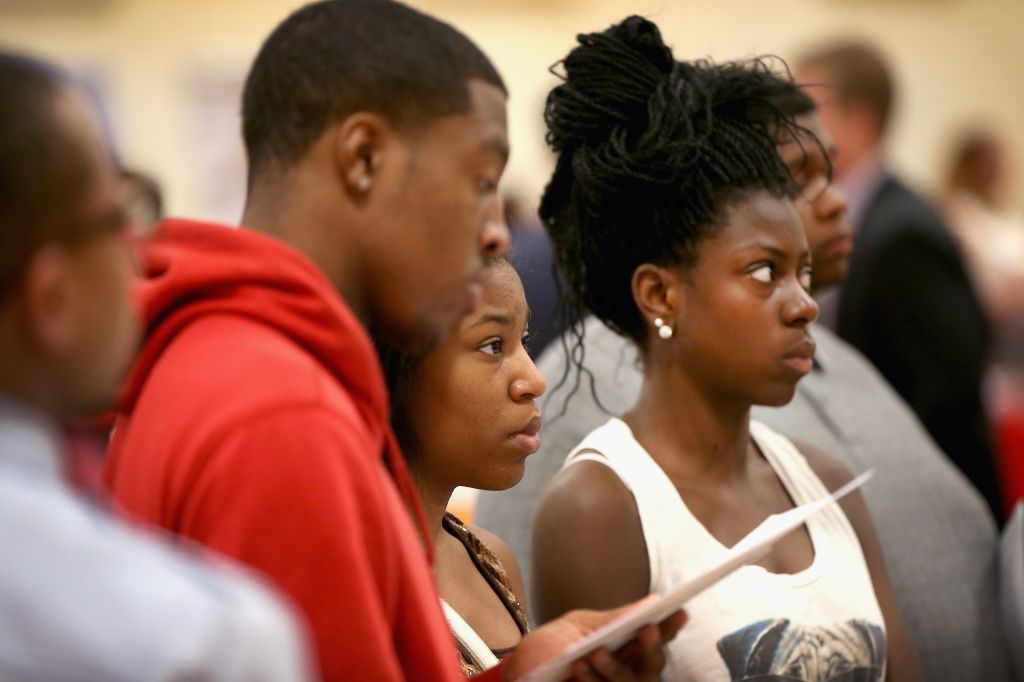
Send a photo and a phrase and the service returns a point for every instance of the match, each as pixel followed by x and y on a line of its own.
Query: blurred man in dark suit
pixel 907 302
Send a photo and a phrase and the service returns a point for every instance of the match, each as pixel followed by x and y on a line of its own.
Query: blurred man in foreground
pixel 81 597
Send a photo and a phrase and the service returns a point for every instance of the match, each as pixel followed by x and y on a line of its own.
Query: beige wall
pixel 956 60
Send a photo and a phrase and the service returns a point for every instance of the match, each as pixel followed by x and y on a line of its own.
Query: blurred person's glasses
pixel 75 233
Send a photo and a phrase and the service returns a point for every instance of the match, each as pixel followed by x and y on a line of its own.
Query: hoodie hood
pixel 191 269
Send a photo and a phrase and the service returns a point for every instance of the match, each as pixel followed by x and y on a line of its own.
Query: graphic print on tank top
pixel 781 651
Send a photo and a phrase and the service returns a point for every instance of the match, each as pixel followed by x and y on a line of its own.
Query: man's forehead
pixel 80 125
pixel 489 107
pixel 94 179
pixel 488 99
pixel 482 128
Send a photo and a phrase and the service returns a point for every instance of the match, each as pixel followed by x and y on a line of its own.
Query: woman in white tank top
pixel 673 221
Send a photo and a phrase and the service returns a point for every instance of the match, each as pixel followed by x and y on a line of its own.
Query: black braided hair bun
pixel 651 151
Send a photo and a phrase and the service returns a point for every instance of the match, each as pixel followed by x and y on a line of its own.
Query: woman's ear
pixel 658 294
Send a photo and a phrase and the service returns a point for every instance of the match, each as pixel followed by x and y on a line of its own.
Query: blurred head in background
pixel 978 167
pixel 853 88
pixel 67 330
pixel 807 151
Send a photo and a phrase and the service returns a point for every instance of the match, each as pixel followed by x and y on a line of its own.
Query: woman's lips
pixel 800 364
pixel 801 357
pixel 528 438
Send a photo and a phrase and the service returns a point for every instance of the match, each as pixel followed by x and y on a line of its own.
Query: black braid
pixel 652 153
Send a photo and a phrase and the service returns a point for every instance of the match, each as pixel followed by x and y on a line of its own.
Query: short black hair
pixel 331 59
pixel 40 176
pixel 652 152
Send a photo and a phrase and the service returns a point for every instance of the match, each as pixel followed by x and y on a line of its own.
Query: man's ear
pixel 48 301
pixel 363 147
pixel 658 293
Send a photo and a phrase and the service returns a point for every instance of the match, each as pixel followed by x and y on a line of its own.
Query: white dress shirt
pixel 83 597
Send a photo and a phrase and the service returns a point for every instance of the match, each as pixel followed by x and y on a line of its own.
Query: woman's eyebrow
pixel 500 318
pixel 774 250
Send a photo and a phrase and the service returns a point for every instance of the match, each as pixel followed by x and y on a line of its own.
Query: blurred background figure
pixel 81 597
pixel 908 302
pixel 534 257
pixel 989 232
pixel 991 237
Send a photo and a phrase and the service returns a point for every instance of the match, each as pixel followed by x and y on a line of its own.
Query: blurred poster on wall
pixel 213 98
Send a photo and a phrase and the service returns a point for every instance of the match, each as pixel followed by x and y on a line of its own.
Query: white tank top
pixel 822 623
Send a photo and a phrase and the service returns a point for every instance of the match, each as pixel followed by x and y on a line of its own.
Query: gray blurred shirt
pixel 84 598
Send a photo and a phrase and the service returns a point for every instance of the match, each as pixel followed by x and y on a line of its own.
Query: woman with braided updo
pixel 673 223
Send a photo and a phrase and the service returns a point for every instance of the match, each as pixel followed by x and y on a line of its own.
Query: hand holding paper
pixel 643 658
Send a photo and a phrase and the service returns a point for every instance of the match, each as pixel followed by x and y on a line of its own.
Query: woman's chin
pixel 777 397
pixel 507 478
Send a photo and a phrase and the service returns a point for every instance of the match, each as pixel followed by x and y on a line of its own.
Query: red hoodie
pixel 255 421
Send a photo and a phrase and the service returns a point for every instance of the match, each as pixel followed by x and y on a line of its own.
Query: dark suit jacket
pixel 533 254
pixel 909 306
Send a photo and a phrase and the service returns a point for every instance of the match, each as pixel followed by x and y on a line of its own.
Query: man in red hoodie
pixel 255 420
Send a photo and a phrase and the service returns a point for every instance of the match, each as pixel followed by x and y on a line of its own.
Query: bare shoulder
pixel 589 549
pixel 832 471
pixel 591 492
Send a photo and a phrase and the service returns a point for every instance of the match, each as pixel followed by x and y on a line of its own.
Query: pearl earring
pixel 363 184
pixel 664 330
